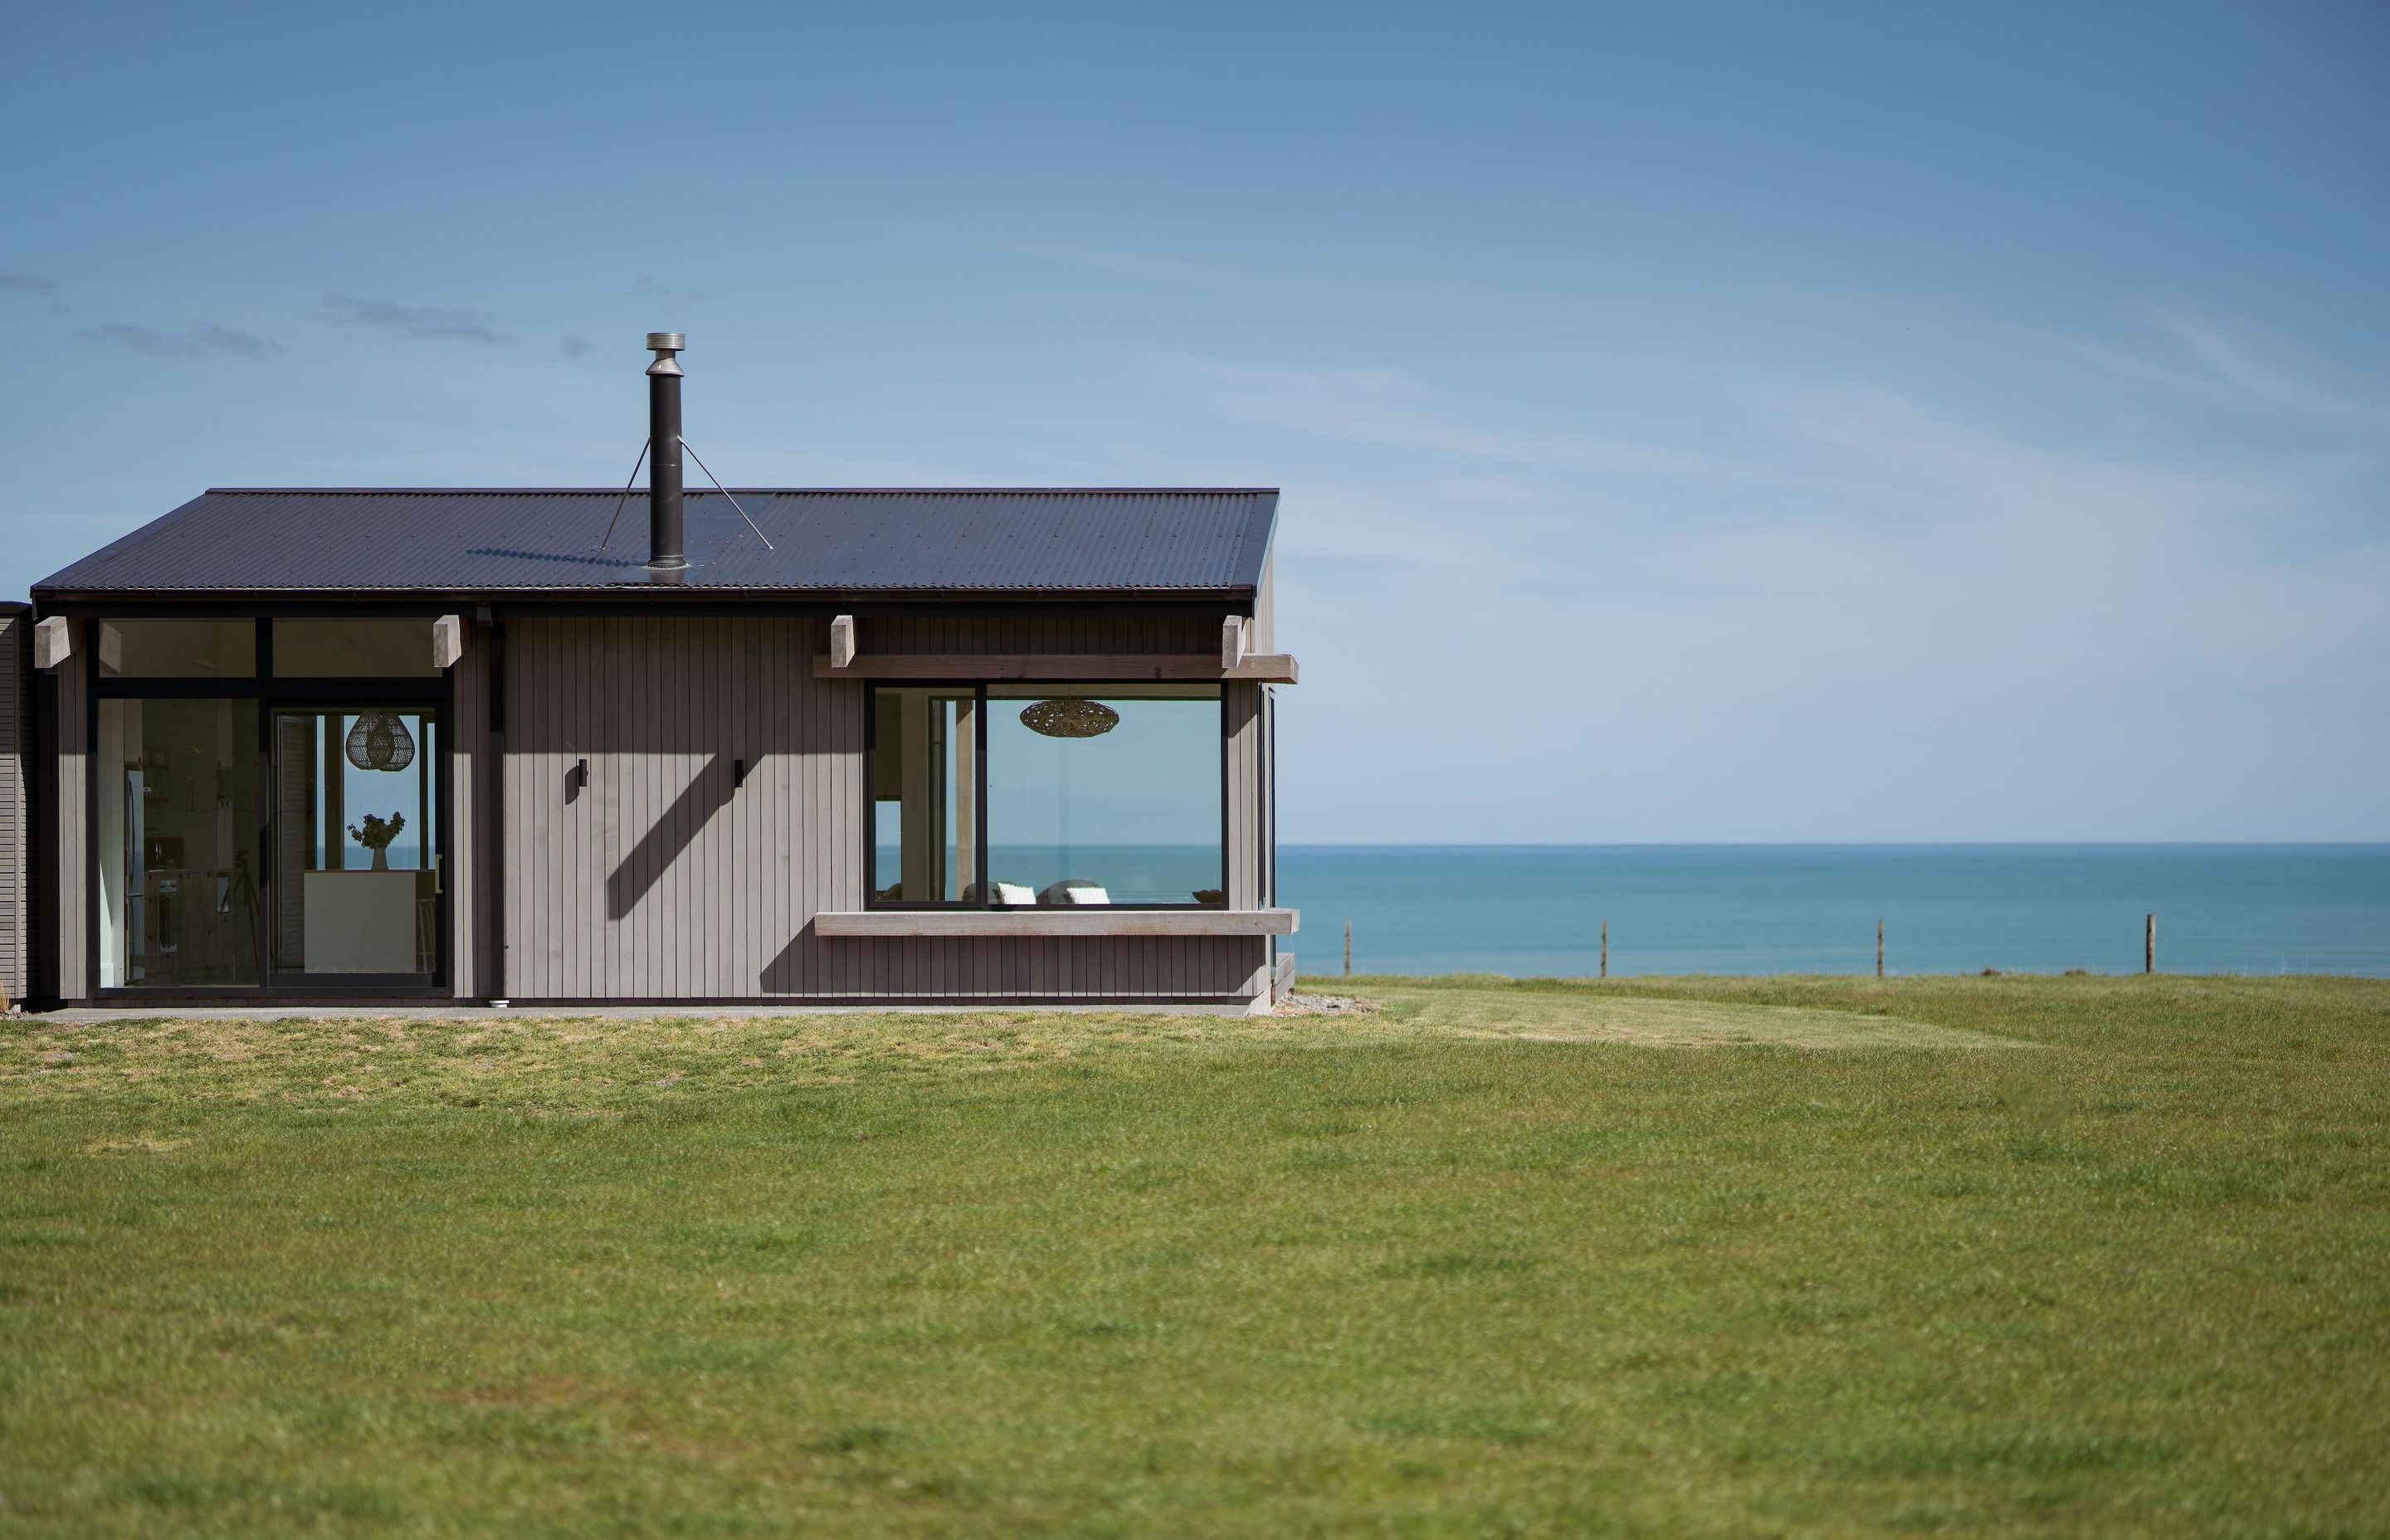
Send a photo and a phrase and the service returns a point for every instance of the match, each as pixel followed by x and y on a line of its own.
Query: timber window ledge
pixel 1094 920
pixel 1274 668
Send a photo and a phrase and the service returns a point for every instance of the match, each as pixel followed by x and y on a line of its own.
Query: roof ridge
pixel 760 492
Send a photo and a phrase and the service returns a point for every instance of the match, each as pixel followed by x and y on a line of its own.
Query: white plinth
pixel 360 922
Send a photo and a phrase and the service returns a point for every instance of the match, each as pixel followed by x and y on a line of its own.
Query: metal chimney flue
pixel 665 550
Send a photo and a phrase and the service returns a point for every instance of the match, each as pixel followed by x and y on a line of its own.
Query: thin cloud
pixel 1879 446
pixel 2269 379
pixel 202 336
pixel 28 283
pixel 656 288
pixel 419 323
pixel 1393 408
pixel 1125 265
pixel 575 346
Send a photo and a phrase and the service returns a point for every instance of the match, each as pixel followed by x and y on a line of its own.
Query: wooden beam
pixel 53 642
pixel 447 641
pixel 842 645
pixel 1088 667
pixel 1234 633
pixel 1264 668
pixel 1092 920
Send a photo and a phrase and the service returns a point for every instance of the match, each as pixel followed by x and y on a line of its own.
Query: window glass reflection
pixel 178 859
pixel 923 796
pixel 1104 794
pixel 177 649
pixel 373 648
pixel 356 815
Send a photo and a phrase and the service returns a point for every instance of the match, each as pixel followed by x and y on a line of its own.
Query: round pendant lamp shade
pixel 1069 718
pixel 381 741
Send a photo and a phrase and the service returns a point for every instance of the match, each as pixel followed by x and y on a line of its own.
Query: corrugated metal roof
pixel 961 542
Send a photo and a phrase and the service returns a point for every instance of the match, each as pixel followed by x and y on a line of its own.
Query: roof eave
pixel 634 593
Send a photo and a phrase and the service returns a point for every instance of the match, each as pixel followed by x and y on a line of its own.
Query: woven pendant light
pixel 381 741
pixel 1069 717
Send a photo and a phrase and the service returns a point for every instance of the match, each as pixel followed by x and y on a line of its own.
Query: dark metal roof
pixel 960 542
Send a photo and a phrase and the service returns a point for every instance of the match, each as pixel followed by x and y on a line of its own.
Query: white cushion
pixel 1071 891
pixel 1014 892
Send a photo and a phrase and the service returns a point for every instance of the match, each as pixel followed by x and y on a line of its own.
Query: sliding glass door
pixel 266 813
pixel 179 874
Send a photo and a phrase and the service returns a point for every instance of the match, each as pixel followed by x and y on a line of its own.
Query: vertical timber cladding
pixel 655 878
pixel 16 846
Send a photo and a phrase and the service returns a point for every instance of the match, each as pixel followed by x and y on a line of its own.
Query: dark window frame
pixel 979 687
pixel 432 693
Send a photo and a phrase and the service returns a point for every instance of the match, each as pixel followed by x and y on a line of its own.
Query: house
pixel 786 745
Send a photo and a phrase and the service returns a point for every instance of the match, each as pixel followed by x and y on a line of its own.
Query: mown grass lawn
pixel 1655 1257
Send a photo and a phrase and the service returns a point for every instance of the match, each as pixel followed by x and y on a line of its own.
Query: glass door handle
pixel 435 873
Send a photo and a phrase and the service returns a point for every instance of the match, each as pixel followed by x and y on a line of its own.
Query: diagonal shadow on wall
pixel 786 973
pixel 671 834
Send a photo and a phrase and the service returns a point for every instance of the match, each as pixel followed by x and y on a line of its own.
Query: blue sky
pixel 1696 422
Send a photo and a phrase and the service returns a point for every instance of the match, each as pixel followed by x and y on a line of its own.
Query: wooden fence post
pixel 1879 949
pixel 1605 949
pixel 1348 948
pixel 2150 945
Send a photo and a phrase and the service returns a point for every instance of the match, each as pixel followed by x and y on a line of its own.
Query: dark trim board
pixel 142 999
pixel 1059 668
pixel 89 639
pixel 267 995
pixel 295 691
pixel 491 802
pixel 42 985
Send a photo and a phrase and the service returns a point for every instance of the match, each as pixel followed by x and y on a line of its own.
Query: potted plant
pixel 375 836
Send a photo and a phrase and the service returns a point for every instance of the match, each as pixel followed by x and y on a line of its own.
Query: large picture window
pixel 1060 794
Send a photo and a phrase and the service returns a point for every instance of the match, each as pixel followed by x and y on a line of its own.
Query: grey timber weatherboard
pixel 663 876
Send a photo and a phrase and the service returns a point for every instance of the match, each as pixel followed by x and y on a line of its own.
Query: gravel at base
pixel 1324 1004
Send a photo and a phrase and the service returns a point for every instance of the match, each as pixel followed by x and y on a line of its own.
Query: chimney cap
pixel 667 341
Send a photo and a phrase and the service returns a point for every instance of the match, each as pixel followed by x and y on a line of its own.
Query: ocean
pixel 1532 911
